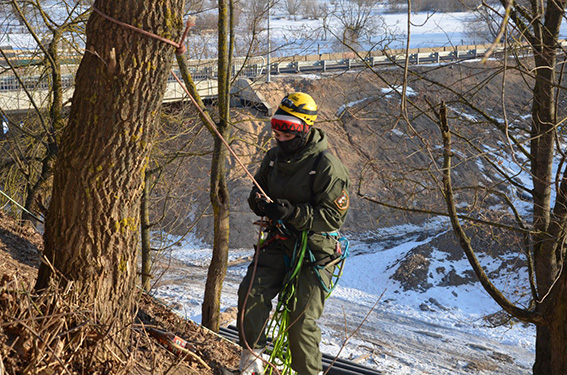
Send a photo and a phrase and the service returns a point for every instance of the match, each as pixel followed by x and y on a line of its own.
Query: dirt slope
pixel 388 150
pixel 20 249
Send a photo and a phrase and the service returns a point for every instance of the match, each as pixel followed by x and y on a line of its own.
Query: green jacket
pixel 323 207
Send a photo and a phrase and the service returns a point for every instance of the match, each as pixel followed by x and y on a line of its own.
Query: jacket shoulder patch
pixel 342 202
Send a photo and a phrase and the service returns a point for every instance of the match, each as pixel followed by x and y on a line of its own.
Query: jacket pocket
pixel 322 245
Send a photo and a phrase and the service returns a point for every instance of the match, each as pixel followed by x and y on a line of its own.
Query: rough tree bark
pixel 219 189
pixel 92 226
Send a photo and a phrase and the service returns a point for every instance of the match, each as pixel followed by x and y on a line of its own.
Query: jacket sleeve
pixel 330 203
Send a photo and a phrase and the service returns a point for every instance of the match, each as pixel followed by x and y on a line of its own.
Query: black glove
pixel 255 200
pixel 281 209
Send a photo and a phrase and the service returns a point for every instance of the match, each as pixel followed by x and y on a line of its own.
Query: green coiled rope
pixel 280 355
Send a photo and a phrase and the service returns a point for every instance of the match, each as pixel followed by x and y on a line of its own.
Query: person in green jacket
pixel 308 191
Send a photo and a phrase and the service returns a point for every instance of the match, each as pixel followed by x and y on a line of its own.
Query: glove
pixel 281 209
pixel 254 201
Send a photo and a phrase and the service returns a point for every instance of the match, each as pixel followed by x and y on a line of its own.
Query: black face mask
pixel 292 146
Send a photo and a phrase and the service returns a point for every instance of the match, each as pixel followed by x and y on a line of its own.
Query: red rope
pixel 214 128
pixel 180 47
pixel 180 51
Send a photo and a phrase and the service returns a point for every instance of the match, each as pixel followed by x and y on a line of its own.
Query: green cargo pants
pixel 304 334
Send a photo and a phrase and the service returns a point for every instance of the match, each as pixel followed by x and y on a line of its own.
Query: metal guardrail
pixel 255 68
pixel 10 83
pixel 416 56
pixel 357 62
pixel 200 70
pixel 13 96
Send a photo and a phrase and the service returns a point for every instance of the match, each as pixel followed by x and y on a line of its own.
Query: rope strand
pixel 180 47
pixel 22 207
pixel 281 321
pixel 180 50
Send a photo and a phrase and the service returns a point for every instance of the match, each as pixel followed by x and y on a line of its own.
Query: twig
pixel 355 331
pixel 48 348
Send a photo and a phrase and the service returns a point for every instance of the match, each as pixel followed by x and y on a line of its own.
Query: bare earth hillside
pixel 20 249
pixel 388 149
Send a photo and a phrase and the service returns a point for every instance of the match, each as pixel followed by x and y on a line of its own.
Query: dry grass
pixel 54 333
pixel 51 333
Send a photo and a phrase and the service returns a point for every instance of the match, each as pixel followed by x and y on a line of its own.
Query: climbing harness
pixel 273 231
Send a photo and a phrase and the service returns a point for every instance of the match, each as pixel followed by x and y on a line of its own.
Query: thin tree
pixel 32 147
pixel 533 145
pixel 293 7
pixel 356 19
pixel 92 226
pixel 219 193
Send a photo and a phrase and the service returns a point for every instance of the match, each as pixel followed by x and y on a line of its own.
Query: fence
pixel 255 68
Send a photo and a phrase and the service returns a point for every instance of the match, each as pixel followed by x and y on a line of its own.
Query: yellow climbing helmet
pixel 300 105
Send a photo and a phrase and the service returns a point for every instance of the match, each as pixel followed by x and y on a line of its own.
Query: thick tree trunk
pixel 92 226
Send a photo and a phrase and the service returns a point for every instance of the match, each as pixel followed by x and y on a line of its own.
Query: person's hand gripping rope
pixel 280 209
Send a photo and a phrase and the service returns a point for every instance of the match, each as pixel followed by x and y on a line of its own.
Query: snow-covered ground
pixel 440 331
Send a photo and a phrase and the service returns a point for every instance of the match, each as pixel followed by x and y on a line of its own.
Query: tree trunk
pixel 146 269
pixel 551 338
pixel 219 188
pixel 55 124
pixel 219 262
pixel 558 329
pixel 92 226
